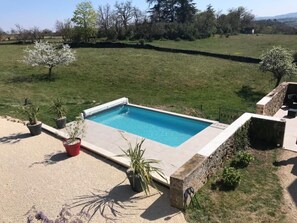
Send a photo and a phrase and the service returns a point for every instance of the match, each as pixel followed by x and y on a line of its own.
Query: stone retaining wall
pixel 194 173
pixel 273 101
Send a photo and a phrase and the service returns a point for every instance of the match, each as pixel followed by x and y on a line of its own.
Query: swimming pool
pixel 168 129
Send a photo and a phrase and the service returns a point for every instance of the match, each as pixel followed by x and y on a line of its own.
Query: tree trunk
pixel 50 72
pixel 278 80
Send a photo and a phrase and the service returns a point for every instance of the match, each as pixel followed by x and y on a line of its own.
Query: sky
pixel 45 13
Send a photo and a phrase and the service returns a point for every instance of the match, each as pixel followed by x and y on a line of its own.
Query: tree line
pixel 165 19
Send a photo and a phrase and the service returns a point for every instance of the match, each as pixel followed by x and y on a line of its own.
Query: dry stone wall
pixel 194 173
pixel 273 101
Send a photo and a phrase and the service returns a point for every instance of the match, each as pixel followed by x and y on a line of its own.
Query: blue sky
pixel 43 14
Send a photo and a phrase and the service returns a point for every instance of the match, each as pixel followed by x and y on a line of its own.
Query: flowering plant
pixel 49 55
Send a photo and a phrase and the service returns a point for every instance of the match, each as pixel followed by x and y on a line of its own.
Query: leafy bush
pixel 141 42
pixel 75 129
pixel 230 177
pixel 242 159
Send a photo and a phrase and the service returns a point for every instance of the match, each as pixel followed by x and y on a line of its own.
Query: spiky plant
pixel 141 166
pixel 58 107
pixel 31 111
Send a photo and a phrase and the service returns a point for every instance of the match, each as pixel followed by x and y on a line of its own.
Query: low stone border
pixel 275 99
pixel 194 173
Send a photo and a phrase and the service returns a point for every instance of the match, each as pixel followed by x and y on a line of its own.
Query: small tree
pixel 279 61
pixel 49 55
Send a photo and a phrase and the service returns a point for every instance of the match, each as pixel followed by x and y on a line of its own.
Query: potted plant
pixel 32 111
pixel 75 131
pixel 139 173
pixel 58 107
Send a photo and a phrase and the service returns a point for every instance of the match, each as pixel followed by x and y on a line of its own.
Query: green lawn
pixel 258 197
pixel 243 45
pixel 177 82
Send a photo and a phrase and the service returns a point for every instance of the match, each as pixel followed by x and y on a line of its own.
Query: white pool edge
pixel 125 101
pixel 105 106
pixel 104 153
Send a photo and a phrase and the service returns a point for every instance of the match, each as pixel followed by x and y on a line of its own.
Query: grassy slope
pixel 257 199
pixel 243 45
pixel 151 78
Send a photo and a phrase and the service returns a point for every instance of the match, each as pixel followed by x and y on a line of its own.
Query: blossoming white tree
pixel 49 55
pixel 279 62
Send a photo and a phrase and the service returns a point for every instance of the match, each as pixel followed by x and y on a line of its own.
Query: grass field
pixel 176 82
pixel 243 45
pixel 258 197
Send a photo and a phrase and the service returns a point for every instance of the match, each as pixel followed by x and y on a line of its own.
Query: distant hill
pixel 292 15
pixel 289 19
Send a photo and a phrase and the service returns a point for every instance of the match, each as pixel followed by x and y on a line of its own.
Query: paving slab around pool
pixel 111 140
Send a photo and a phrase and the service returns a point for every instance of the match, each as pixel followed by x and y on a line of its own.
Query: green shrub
pixel 230 177
pixel 242 159
pixel 141 42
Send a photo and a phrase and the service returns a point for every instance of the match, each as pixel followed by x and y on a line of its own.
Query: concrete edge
pixel 211 147
pixel 104 153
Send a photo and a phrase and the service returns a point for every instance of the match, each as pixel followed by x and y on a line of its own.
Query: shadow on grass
pixel 31 78
pixel 248 94
pixel 14 138
pixel 291 161
pixel 52 158
pixel 219 185
pixel 108 203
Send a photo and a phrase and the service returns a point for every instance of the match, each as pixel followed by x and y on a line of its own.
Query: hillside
pixel 289 18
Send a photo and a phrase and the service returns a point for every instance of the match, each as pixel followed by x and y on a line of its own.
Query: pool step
pixel 219 125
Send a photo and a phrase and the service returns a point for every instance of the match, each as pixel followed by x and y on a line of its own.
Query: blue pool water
pixel 164 128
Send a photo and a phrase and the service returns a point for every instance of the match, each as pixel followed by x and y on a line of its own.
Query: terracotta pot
pixel 135 180
pixel 35 129
pixel 73 148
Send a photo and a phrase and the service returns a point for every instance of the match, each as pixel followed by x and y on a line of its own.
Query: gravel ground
pixel 35 171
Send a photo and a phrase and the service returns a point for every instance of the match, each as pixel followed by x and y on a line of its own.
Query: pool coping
pixel 172 159
pixel 103 152
pixel 122 101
